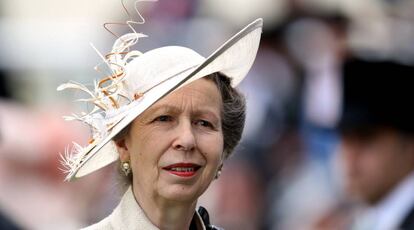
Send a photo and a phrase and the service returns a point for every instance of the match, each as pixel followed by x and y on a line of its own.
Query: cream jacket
pixel 129 215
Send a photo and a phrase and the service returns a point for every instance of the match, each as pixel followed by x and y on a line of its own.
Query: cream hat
pixel 139 80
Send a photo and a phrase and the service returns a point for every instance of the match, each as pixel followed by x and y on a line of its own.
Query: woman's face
pixel 176 146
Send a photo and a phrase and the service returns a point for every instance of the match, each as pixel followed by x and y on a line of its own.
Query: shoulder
pixel 127 215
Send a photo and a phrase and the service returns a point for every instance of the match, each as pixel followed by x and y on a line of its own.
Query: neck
pixel 166 214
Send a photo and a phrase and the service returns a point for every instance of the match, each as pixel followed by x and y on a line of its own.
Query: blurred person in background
pixel 5 222
pixel 316 46
pixel 377 143
pixel 32 194
pixel 30 178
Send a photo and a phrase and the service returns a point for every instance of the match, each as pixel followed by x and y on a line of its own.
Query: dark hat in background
pixel 377 94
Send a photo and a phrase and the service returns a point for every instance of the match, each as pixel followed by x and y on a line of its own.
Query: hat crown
pixel 377 93
pixel 158 65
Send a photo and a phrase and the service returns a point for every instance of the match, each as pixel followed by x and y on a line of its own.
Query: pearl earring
pixel 218 172
pixel 126 168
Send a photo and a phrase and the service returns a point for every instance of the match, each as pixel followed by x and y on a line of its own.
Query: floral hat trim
pixel 109 96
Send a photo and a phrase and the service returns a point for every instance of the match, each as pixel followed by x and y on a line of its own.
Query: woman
pixel 171 117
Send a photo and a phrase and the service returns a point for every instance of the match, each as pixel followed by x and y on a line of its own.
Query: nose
pixel 185 139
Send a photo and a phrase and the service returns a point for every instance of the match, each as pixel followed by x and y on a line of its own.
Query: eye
pixel 164 118
pixel 204 123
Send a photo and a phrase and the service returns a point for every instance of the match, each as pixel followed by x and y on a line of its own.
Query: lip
pixel 182 169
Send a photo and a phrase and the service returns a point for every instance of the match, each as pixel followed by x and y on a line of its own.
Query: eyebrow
pixel 163 108
pixel 176 110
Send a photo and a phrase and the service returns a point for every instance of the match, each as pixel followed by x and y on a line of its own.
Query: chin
pixel 180 193
pixel 372 198
pixel 365 195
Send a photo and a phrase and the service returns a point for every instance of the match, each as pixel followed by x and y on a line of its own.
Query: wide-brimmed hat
pixel 143 79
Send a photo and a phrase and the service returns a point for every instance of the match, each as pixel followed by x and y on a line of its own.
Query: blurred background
pixel 284 175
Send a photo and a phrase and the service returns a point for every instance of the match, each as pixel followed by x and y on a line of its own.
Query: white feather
pixel 104 114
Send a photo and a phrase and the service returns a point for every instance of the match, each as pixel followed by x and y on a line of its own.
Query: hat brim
pixel 234 59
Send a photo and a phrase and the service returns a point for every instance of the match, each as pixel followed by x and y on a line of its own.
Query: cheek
pixel 144 167
pixel 379 159
pixel 145 152
pixel 371 169
pixel 146 139
pixel 213 149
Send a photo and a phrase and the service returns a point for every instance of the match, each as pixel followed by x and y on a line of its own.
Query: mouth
pixel 183 169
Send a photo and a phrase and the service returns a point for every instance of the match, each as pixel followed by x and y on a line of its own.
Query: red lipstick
pixel 183 169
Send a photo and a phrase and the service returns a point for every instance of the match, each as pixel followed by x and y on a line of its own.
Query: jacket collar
pixel 129 215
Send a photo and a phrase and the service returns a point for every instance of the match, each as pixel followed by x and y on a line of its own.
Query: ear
pixel 122 149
